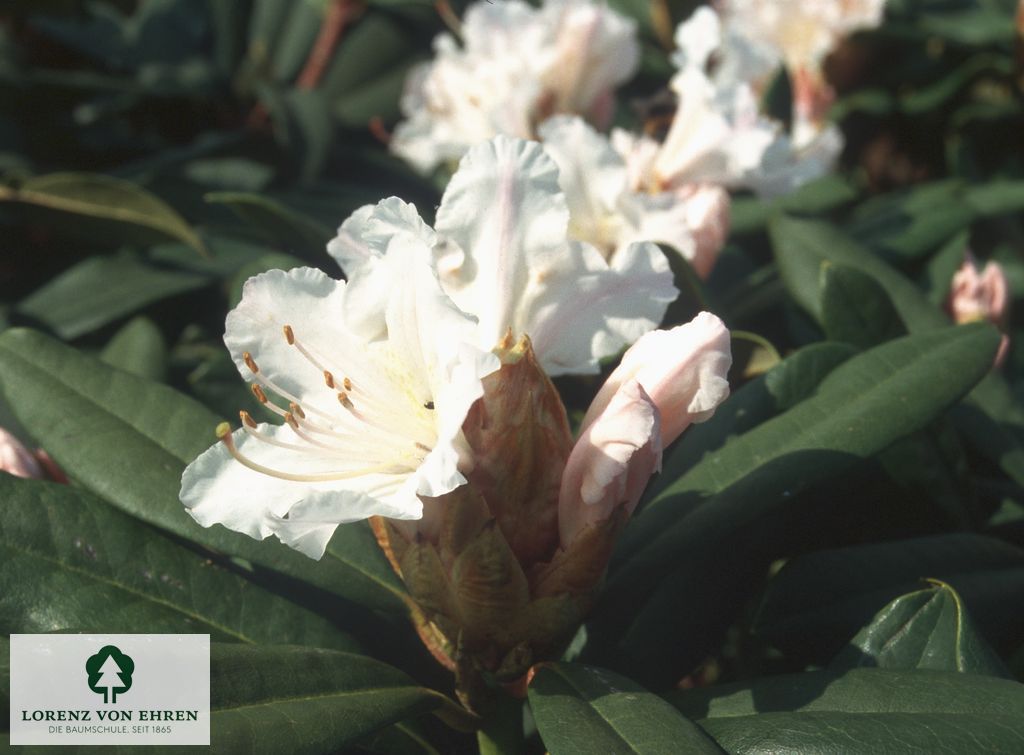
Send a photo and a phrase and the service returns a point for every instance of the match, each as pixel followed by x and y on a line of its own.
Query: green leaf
pixel 788 383
pixel 855 691
pixel 855 308
pixel 745 487
pixel 128 440
pixel 859 408
pixel 818 601
pixel 112 202
pixel 138 348
pixel 927 629
pixel 992 418
pixel 290 699
pixel 102 289
pixel 583 710
pixel 864 711
pixel 73 563
pixel 279 224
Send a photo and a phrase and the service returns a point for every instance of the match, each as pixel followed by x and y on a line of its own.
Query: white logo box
pixel 149 689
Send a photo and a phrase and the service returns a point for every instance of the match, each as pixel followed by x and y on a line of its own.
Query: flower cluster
pixel 418 393
pixel 516 65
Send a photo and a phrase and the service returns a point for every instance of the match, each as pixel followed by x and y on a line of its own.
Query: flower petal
pixel 611 462
pixel 581 316
pixel 683 370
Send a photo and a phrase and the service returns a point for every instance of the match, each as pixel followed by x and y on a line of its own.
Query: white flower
pixel 369 423
pixel 503 254
pixel 726 61
pixel 797 32
pixel 606 211
pixel 516 66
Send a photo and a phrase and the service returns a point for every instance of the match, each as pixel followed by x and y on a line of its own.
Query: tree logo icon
pixel 110 672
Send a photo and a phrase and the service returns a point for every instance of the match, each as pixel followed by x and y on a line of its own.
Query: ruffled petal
pixel 591 311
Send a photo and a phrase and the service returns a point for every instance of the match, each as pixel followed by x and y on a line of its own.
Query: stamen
pixel 289 335
pixel 259 394
pixel 329 378
pixel 224 434
pixel 247 419
pixel 290 419
pixel 250 362
pixel 347 384
pixel 344 400
pixel 296 410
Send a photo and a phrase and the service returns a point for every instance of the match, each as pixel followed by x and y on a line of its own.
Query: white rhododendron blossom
pixel 368 424
pixel 797 32
pixel 726 61
pixel 504 254
pixel 608 212
pixel 515 66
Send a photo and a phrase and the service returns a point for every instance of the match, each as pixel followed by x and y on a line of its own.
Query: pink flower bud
pixel 17 460
pixel 980 295
pixel 611 462
pixel 983 295
pixel 683 370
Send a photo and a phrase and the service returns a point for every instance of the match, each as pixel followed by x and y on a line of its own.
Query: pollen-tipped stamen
pixel 224 434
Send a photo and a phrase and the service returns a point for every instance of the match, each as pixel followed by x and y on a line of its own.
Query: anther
pixel 289 335
pixel 347 383
pixel 344 400
pixel 329 378
pixel 290 419
pixel 296 410
pixel 249 361
pixel 259 394
pixel 247 419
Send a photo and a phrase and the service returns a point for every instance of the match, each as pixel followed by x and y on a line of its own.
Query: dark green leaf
pixel 855 691
pixel 280 225
pixel 927 629
pixel 863 712
pixel 788 383
pixel 913 222
pixel 103 198
pixel 102 289
pixel 991 417
pixel 585 710
pixel 138 348
pixel 73 563
pixel 855 308
pixel 305 700
pixel 818 601
pixel 129 440
pixel 724 501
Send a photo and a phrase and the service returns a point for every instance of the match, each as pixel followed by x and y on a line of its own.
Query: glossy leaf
pixel 305 700
pixel 103 198
pixel 991 417
pixel 927 629
pixel 863 711
pixel 580 709
pixel 819 601
pixel 140 435
pixel 71 562
pixel 716 507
